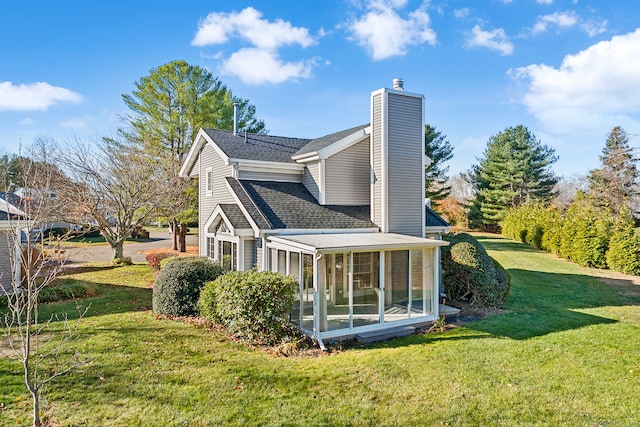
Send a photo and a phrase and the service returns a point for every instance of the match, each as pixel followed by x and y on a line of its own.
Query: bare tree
pixel 113 183
pixel 42 346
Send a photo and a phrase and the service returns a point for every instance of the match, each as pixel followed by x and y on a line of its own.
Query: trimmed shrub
pixel 155 258
pixel 252 305
pixel 178 285
pixel 624 247
pixel 471 275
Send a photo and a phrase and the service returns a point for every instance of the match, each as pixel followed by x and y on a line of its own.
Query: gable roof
pixel 256 147
pixel 289 205
pixel 318 144
pixel 432 219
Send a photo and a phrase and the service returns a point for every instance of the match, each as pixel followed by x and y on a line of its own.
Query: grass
pixel 563 352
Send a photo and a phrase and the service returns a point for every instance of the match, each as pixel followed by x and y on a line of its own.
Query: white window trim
pixel 209 182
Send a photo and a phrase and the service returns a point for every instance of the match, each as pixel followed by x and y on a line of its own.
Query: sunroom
pixel 353 283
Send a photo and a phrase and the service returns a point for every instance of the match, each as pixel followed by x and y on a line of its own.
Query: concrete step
pixel 447 311
pixel 385 334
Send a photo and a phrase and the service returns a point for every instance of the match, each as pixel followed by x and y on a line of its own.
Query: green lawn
pixel 566 351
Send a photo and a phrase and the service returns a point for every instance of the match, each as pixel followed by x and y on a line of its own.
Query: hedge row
pixel 586 234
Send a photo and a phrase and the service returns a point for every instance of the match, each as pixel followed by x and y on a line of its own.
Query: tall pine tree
pixel 440 151
pixel 515 168
pixel 614 183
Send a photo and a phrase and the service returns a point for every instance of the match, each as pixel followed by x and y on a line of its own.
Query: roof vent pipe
pixel 398 84
pixel 235 118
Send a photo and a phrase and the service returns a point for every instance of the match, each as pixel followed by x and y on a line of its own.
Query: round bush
pixel 253 305
pixel 471 275
pixel 178 285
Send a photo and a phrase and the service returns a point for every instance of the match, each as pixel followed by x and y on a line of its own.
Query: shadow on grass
pixel 543 302
pixel 111 299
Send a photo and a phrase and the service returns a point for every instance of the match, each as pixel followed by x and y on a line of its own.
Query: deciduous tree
pixel 113 183
pixel 42 346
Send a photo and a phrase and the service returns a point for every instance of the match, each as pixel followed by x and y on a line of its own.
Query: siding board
pixel 311 179
pixel 220 194
pixel 404 165
pixel 269 176
pixel 348 176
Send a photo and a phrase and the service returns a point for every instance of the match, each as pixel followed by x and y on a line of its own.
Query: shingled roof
pixel 256 147
pixel 289 205
pixel 318 144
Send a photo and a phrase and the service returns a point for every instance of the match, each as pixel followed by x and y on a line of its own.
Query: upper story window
pixel 209 181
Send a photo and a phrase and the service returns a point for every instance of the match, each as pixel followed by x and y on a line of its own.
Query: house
pixel 345 214
pixel 8 244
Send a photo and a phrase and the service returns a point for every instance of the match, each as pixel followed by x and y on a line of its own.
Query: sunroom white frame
pixel 320 245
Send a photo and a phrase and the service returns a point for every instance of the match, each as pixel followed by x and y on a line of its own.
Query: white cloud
pixel 568 19
pixel 27 121
pixel 259 66
pixel 558 19
pixel 33 97
pixel 261 63
pixel 544 1
pixel 384 33
pixel 495 39
pixel 218 28
pixel 596 88
pixel 461 13
pixel 593 28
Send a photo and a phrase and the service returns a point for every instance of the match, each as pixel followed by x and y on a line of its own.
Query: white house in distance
pixel 9 245
pixel 345 214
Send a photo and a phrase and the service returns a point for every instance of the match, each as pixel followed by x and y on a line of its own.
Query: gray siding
pixel 377 122
pixel 269 176
pixel 5 263
pixel 249 254
pixel 348 176
pixel 405 188
pixel 311 179
pixel 220 194
pixel 259 257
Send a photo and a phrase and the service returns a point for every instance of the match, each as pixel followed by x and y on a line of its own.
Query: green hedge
pixel 471 275
pixel 586 233
pixel 177 287
pixel 252 305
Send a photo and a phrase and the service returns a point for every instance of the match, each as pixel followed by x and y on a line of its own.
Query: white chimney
pixel 235 118
pixel 398 84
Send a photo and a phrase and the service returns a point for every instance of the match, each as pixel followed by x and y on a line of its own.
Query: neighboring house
pixel 345 214
pixel 8 244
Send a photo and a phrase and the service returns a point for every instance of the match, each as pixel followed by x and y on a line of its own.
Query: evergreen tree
pixel 515 167
pixel 439 150
pixel 624 247
pixel 614 183
pixel 175 100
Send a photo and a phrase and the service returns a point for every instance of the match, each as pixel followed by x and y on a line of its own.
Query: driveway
pixel 103 253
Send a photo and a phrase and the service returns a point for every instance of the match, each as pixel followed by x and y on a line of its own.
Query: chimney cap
pixel 398 84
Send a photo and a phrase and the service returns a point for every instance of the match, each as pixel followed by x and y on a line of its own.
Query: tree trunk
pixel 183 237
pixel 118 250
pixel 174 234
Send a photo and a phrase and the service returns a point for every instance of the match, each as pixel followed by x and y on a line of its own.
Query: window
pixel 209 181
pixel 211 247
pixel 227 254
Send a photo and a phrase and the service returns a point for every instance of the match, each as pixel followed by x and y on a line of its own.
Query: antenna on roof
pixel 235 118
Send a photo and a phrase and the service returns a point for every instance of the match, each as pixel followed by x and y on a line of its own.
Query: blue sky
pixel 569 70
